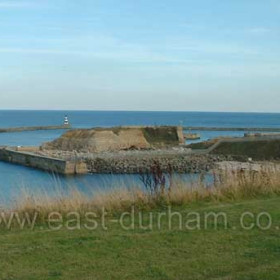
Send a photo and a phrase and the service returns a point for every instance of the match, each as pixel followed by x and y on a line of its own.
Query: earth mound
pixel 117 139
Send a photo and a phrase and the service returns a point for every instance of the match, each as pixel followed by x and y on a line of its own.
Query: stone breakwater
pixel 179 160
pixel 133 165
pixel 132 162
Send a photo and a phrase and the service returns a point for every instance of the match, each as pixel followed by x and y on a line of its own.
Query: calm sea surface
pixel 15 177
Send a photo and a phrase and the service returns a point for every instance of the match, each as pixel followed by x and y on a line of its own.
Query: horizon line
pixel 144 111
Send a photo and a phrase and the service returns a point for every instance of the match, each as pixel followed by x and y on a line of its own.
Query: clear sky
pixel 203 55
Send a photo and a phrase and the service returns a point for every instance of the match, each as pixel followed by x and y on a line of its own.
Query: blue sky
pixel 180 55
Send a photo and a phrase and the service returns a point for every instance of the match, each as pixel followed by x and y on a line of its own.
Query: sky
pixel 179 55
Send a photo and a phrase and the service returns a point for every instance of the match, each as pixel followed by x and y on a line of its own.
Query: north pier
pixel 34 128
pixel 66 125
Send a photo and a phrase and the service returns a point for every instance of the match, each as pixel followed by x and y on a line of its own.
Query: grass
pixel 145 254
pixel 221 250
pixel 258 150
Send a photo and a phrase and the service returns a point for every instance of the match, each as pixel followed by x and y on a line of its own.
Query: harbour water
pixel 14 178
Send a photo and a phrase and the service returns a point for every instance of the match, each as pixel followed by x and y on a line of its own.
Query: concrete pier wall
pixel 43 163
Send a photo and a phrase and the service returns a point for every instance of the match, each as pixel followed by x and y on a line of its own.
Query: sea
pixel 15 178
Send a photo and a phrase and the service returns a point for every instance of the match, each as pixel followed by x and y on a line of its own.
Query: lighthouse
pixel 66 121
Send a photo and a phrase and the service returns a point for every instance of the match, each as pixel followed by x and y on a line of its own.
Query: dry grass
pixel 228 186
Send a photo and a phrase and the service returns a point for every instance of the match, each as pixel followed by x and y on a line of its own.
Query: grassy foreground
pixel 186 245
pixel 231 253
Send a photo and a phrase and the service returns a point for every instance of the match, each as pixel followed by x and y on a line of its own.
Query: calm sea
pixel 15 177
